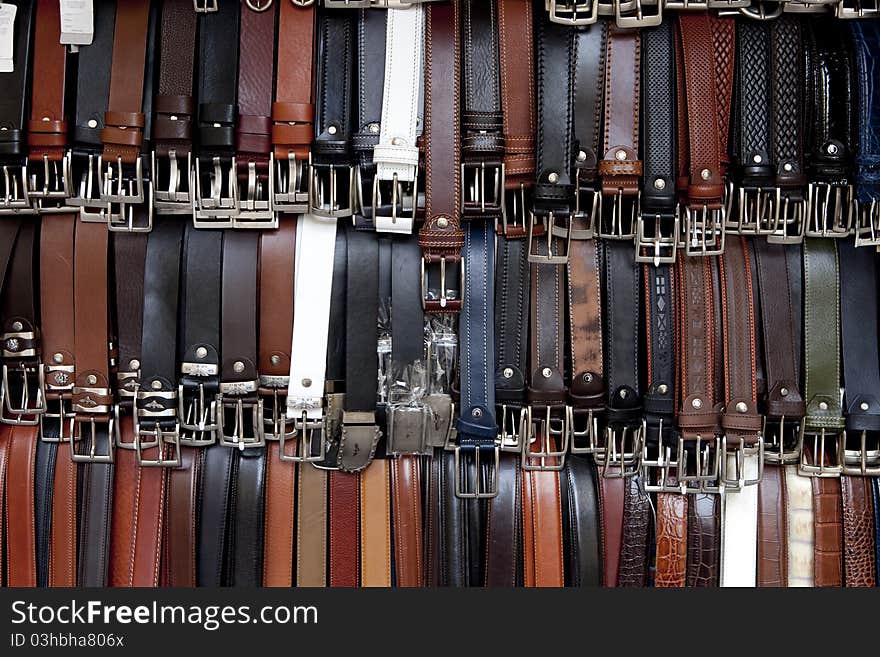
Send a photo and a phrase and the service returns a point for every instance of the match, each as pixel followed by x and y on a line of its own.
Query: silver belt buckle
pixel 290 191
pixel 621 451
pixel 474 487
pixel 739 448
pixel 758 211
pixel 253 202
pixel 790 221
pixel 47 185
pixel 778 450
pixel 205 6
pixel 171 184
pixel 551 229
pixel 819 460
pixel 704 231
pixel 510 428
pixel 866 222
pixel 31 379
pixel 476 198
pixel 14 198
pixel 331 191
pixel 155 407
pixel 864 460
pixel 403 197
pixel 703 472
pixel 623 221
pixel 245 432
pixel 573 12
pixel 829 209
pixel 857 9
pixel 214 194
pixel 657 466
pixel 197 418
pixel 655 243
pixel 408 429
pixel 584 426
pixel 640 19
pixel 92 418
pixel 540 428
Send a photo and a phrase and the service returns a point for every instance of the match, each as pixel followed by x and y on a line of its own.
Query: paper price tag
pixel 77 22
pixel 7 37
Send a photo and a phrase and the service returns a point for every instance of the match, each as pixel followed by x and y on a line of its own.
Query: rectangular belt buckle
pixel 623 219
pixel 550 424
pixel 864 461
pixel 514 213
pixel 760 10
pixel 171 183
pixel 358 440
pixel 273 389
pixel 131 217
pixel 866 220
pixel 621 452
pixel 58 409
pixel 829 209
pixel 205 6
pixel 14 198
pixel 584 428
pixel 478 199
pixel 640 19
pixel 308 430
pixel 245 432
pixel 408 430
pixel 47 185
pixel 159 409
pixel 329 204
pixel 789 221
pixel 448 299
pixel 197 417
pixel 475 487
pixel 739 449
pixel 94 455
pixel 857 9
pixel 551 230
pixel 83 172
pixel 658 468
pixel 657 238
pixel 403 199
pixel 510 428
pixel 290 191
pixel 211 209
pixel 820 460
pixel 573 12
pixel 587 209
pixel 782 445
pixel 253 202
pixel 757 212
pixel 807 7
pixel 705 474
pixel 119 187
pixel 31 381
pixel 704 231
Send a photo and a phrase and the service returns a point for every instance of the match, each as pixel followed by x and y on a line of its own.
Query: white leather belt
pixel 315 248
pixel 801 543
pixel 739 528
pixel 397 153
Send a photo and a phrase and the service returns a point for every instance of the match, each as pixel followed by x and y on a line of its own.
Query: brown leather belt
pixel 406 493
pixel 375 530
pixel 828 531
pixel 859 559
pixel 344 528
pixel 21 544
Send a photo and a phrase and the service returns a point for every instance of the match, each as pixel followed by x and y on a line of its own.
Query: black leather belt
pixel 217 116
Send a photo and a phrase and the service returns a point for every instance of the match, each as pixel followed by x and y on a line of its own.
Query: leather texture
pixel 799 519
pixel 772 529
pixel 671 541
pixel 859 558
pixel 828 530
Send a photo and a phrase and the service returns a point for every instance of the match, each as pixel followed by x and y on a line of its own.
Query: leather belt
pixel 396 155
pixel 860 567
pixel 175 110
pixel 830 143
pixel 293 111
pixel 214 180
pixel 799 521
pixel 277 251
pixel 407 522
pixel 866 46
pixel 14 198
pixel 331 187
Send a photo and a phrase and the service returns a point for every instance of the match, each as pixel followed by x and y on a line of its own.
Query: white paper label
pixel 7 37
pixel 77 22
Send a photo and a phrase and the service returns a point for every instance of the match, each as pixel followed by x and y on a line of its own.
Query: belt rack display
pixel 441 293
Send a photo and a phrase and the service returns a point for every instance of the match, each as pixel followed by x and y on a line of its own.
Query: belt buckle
pixel 253 203
pixel 83 171
pixel 24 414
pixel 662 464
pixel 866 222
pixel 14 198
pixel 687 5
pixel 476 199
pixel 475 488
pixel 789 221
pixel 234 400
pixel 704 231
pixel 807 6
pixel 408 429
pixel 758 10
pixel 330 207
pixel 660 246
pixel 290 191
pixel 214 210
pixel 551 230
pixel 615 453
pixel 705 475
pixel 727 4
pixel 828 201
pixel 274 388
pixel 640 19
pixel 445 302
pixel 197 418
pixel 813 461
pixel 305 427
pixel 543 428
pixel 757 212
pixel 404 200
pixel 864 461
pixel 347 4
pixel 588 434
pixel 121 217
pixel 171 186
pixel 116 186
pixel 63 414
pixel 514 213
pixel 778 450
pixel 47 186
pixel 623 224
pixel 587 207
pixel 858 10
pixel 155 407
pixel 205 6
pixel 573 12
pixel 510 428
pixel 739 449
pixel 93 416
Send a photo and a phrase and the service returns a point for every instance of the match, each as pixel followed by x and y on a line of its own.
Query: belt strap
pixel 799 518
pixel 877 522
pixel 93 403
pixel 787 136
pixel 175 109
pixel 218 53
pixel 332 186
pixel 866 47
pixel 704 540
pixel 57 332
pixel 828 531
pixel 248 513
pixel 620 168
pixel 344 528
pixel 21 540
pixel 772 529
pixel 580 509
pixel 277 250
pixel 311 528
pixel 407 518
pixel 129 256
pixel 860 567
pixel 637 530
pixel 293 111
pixel 858 318
pixel 214 518
pixel 441 236
pixel 13 143
pixel 375 527
pixel 831 136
